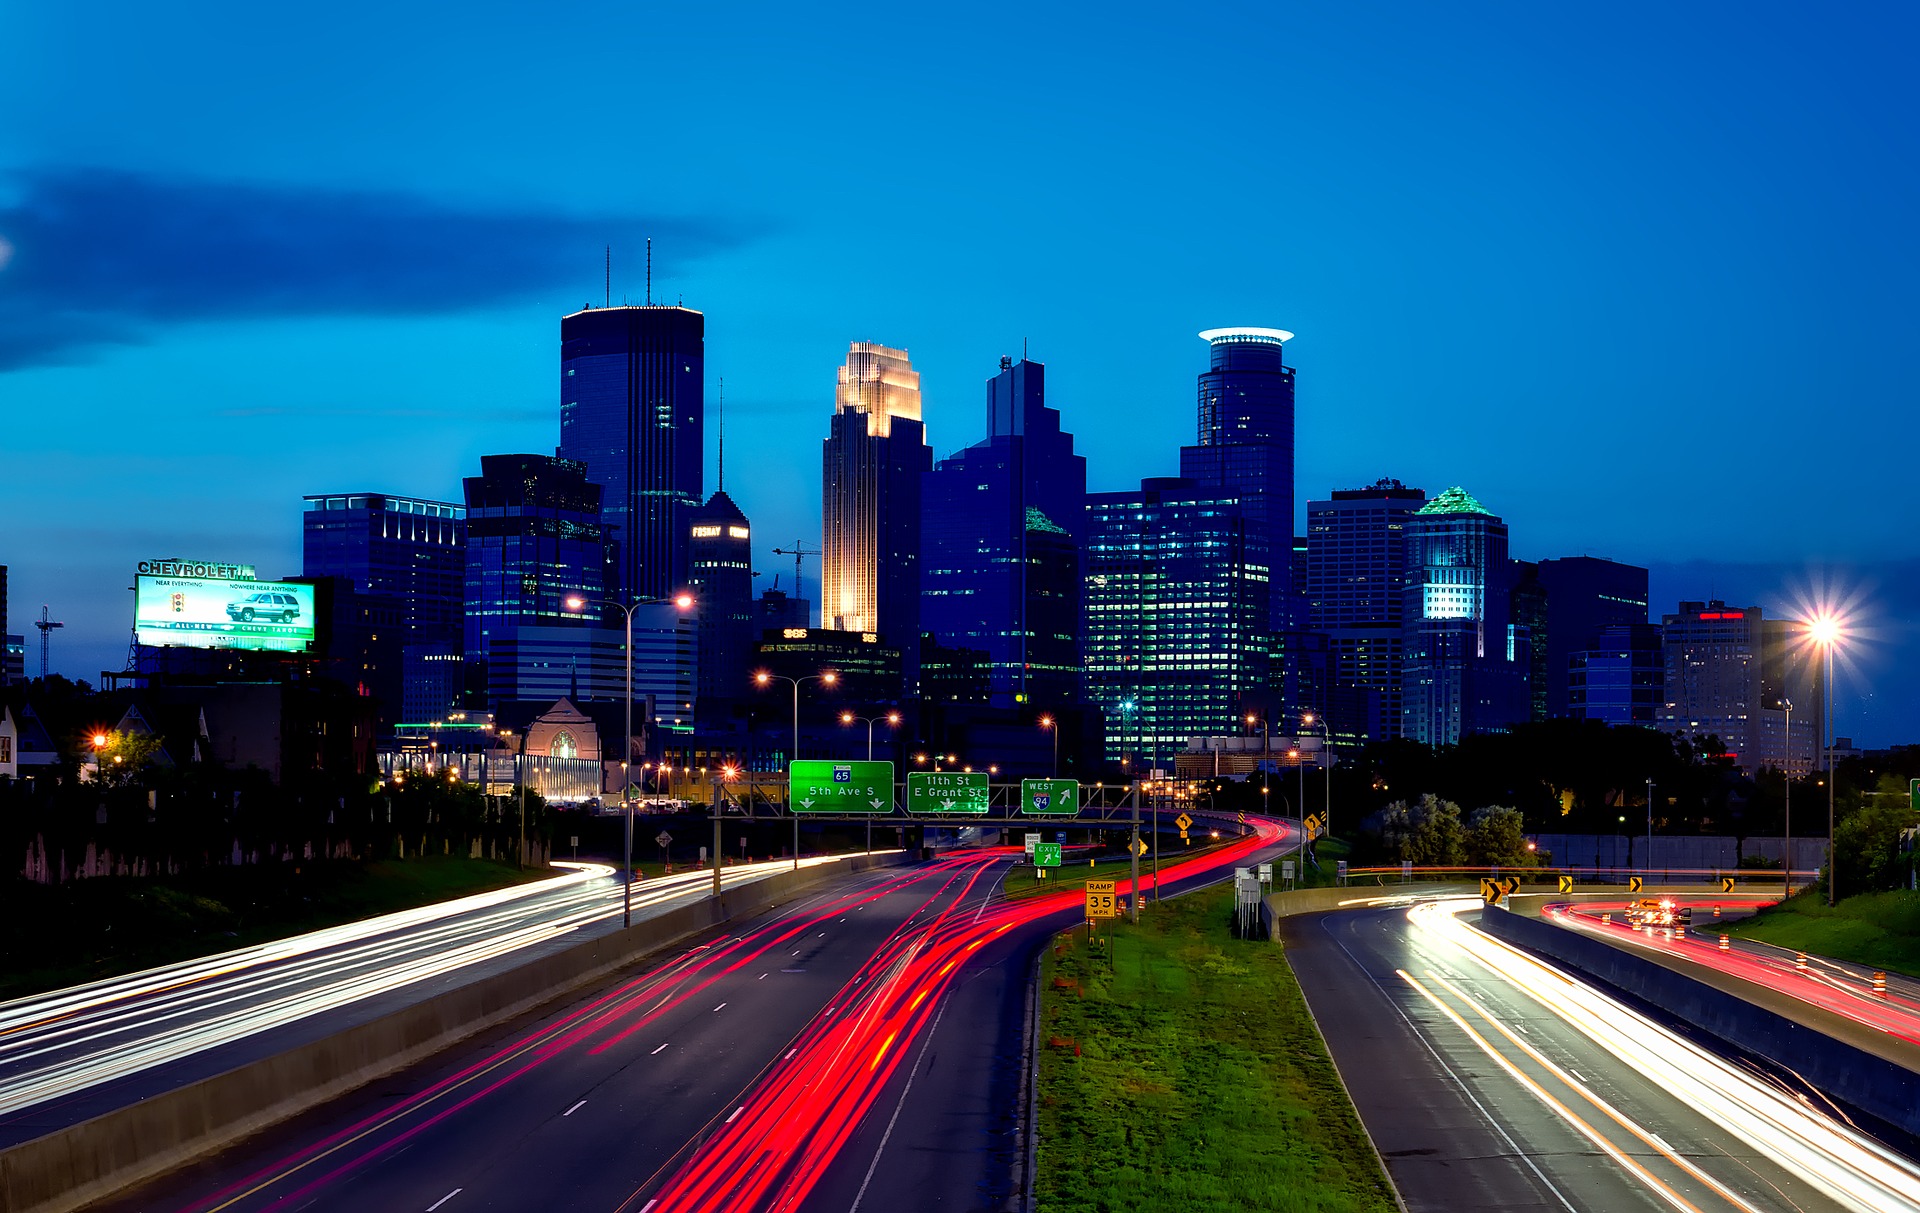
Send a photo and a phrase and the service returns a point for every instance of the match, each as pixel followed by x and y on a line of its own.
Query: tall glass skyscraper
pixel 1176 635
pixel 872 462
pixel 1464 666
pixel 721 576
pixel 1000 571
pixel 534 540
pixel 1355 588
pixel 632 412
pixel 1246 446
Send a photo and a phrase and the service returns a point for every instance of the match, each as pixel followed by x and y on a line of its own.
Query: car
pixel 274 606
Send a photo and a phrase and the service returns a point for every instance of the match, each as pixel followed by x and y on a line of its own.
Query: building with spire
pixel 720 574
pixel 1464 662
pixel 872 462
pixel 632 412
pixel 1000 573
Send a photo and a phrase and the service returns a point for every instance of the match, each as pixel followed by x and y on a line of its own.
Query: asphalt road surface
pixel 1490 1081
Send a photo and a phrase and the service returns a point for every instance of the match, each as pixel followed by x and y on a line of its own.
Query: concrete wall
pixel 1707 851
pixel 92 1160
pixel 1848 1074
pixel 1276 906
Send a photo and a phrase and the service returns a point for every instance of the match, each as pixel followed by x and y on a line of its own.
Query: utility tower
pixel 46 624
pixel 799 551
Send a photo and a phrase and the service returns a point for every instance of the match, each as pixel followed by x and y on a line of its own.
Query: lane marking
pixel 721 1007
pixel 573 1109
pixel 1577 1074
pixel 736 1113
pixel 789 1056
pixel 444 1199
pixel 762 977
pixel 908 1090
pixel 656 1051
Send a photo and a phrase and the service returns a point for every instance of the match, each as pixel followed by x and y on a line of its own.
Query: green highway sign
pixel 815 786
pixel 1046 855
pixel 948 792
pixel 1049 796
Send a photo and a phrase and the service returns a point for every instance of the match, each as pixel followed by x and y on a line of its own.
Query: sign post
pixel 1101 901
pixel 1049 797
pixel 948 792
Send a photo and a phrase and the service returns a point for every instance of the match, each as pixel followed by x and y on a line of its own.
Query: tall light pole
pixel 766 678
pixel 1266 748
pixel 1647 863
pixel 1826 633
pixel 576 603
pixel 721 777
pixel 1326 748
pixel 1053 726
pixel 893 719
pixel 1786 828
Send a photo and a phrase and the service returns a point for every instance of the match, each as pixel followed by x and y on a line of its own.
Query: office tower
pixel 1619 676
pixel 1463 666
pixel 1584 595
pixel 1000 566
pixel 1176 631
pixel 872 462
pixel 774 609
pixel 1246 447
pixel 1355 586
pixel 13 659
pixel 1728 672
pixel 720 574
pixel 632 412
pixel 1527 611
pixel 534 541
pixel 6 674
pixel 398 566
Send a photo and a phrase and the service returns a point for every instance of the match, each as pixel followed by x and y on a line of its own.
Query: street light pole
pixel 892 718
pixel 1326 749
pixel 1786 827
pixel 1053 726
pixel 1833 865
pixel 1648 862
pixel 683 601
pixel 762 679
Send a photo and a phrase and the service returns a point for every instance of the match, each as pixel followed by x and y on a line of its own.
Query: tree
pixel 1427 833
pixel 125 757
pixel 1497 834
pixel 1866 842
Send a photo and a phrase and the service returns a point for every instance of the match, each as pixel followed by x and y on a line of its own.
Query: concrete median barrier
pixel 90 1161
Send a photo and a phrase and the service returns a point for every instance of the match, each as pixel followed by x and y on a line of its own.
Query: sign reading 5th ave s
pixel 948 792
pixel 814 786
pixel 1049 796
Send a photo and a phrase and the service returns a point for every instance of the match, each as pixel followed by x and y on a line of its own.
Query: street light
pixel 1053 726
pixel 1826 632
pixel 577 603
pixel 1326 746
pixel 767 678
pixel 847 717
pixel 1266 748
pixel 1786 827
pixel 721 777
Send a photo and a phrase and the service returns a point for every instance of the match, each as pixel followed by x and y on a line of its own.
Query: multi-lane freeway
pixel 71 1054
pixel 1490 1080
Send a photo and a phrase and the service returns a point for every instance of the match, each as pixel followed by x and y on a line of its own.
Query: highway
pixel 1832 985
pixel 1491 1080
pixel 859 1048
pixel 71 1054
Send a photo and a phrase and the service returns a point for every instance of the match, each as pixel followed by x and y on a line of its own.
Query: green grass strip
pixel 1877 929
pixel 1200 1082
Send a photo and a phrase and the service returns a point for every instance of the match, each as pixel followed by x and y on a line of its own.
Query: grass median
pixel 1184 1072
pixel 1877 929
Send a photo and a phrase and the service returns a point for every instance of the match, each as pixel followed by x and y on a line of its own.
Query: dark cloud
pixel 93 257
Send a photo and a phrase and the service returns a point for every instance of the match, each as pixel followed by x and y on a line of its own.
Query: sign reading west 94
pixel 948 792
pixel 1049 796
pixel 816 786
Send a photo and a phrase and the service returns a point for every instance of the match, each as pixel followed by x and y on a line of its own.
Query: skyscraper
pixel 4 673
pixel 1728 669
pixel 632 412
pixel 720 574
pixel 1246 447
pixel 1619 676
pixel 1176 635
pixel 399 565
pixel 1356 596
pixel 1464 666
pixel 1584 595
pixel 872 462
pixel 534 540
pixel 1000 571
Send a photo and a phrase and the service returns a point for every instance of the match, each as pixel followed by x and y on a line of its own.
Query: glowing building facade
pixel 872 462
pixel 1464 668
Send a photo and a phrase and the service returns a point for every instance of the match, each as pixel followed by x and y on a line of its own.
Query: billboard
pixel 222 613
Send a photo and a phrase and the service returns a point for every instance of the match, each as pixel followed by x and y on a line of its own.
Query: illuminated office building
pixel 1355 587
pixel 1729 673
pixel 1464 663
pixel 720 575
pixel 1585 594
pixel 1177 644
pixel 1000 568
pixel 872 462
pixel 632 412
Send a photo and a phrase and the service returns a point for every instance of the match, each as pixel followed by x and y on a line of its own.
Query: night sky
pixel 1639 276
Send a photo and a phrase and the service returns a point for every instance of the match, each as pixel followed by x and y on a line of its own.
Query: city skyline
pixel 1533 323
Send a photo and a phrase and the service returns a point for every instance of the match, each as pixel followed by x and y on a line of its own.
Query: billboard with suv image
pixel 215 613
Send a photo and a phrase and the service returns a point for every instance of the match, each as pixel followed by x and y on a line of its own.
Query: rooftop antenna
pixel 720 420
pixel 609 275
pixel 46 623
pixel 649 271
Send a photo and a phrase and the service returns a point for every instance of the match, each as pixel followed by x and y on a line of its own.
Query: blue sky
pixel 1639 276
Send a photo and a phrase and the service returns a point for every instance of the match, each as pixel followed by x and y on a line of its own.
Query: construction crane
pixel 799 551
pixel 46 623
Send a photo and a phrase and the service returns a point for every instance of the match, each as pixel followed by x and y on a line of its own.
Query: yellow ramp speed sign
pixel 1101 902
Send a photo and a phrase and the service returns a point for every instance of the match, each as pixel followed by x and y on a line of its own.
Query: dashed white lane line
pixel 444 1199
pixel 790 1053
pixel 648 1207
pixel 658 1050
pixel 762 977
pixel 721 1007
pixel 573 1109
pixel 736 1113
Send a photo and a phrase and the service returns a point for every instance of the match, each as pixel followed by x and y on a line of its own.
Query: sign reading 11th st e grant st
pixel 814 786
pixel 948 792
